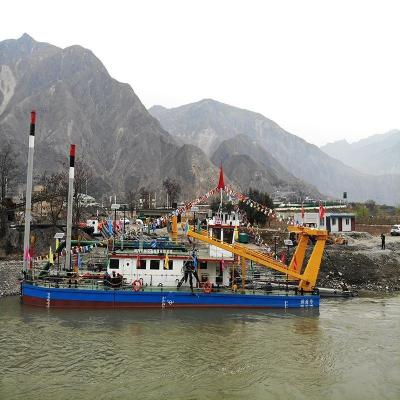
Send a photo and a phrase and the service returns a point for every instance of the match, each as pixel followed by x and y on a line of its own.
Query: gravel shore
pixel 362 264
pixel 10 272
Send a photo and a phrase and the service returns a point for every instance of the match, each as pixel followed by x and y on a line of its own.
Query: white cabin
pixel 332 222
pixel 154 272
pixel 225 218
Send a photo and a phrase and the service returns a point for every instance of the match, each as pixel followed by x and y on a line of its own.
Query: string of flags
pixel 79 249
pixel 245 199
pixel 229 191
pixel 110 226
pixel 50 256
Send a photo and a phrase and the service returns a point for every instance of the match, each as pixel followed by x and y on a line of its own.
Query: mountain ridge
pixel 375 155
pixel 305 161
pixel 77 101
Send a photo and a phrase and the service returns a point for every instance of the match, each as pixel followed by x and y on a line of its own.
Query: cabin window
pixel 170 264
pixel 114 263
pixel 347 221
pixel 141 264
pixel 228 235
pixel 154 264
pixel 203 264
pixel 216 233
pixel 333 221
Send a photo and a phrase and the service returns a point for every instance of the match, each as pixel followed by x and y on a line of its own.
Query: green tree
pixel 55 189
pixel 253 215
pixel 8 172
pixel 361 210
pixel 173 189
pixel 371 206
pixel 227 206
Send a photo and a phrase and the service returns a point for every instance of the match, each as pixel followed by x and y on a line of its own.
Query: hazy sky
pixel 323 70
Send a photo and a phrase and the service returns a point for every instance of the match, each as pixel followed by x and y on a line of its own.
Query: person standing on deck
pixel 383 247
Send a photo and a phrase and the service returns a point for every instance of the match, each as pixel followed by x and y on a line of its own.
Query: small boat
pixel 329 292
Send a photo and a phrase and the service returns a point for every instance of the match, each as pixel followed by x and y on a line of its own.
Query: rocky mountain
pixel 77 101
pixel 216 121
pixel 376 155
pixel 250 165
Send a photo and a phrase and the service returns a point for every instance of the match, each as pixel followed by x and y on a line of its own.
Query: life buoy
pixel 207 287
pixel 137 285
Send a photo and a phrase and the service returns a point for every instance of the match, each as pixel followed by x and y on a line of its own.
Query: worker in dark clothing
pixel 383 241
pixel 189 272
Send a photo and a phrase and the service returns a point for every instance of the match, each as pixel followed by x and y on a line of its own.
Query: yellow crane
pixel 306 276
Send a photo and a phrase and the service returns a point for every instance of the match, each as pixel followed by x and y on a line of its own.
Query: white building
pixel 332 222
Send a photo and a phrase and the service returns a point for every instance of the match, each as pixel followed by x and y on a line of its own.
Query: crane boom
pixel 307 278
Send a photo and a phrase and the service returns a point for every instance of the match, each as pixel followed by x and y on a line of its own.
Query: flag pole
pixel 221 186
pixel 70 200
pixel 28 196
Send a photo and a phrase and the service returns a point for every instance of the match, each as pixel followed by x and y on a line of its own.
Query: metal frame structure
pixel 307 279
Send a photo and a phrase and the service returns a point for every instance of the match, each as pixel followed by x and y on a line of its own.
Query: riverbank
pixel 360 265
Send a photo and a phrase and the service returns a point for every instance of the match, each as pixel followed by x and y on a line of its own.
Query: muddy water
pixel 349 349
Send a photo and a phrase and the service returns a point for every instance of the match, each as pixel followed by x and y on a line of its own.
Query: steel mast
pixel 70 200
pixel 28 196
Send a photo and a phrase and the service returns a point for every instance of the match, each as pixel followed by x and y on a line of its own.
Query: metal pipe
pixel 123 229
pixel 28 209
pixel 114 227
pixel 70 202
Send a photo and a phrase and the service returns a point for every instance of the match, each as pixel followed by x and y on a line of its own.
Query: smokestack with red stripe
pixel 70 202
pixel 28 205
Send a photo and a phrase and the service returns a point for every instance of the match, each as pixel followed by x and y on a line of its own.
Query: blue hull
pixel 51 297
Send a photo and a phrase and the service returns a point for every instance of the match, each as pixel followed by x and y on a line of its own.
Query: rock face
pixel 375 155
pixel 250 165
pixel 77 101
pixel 218 122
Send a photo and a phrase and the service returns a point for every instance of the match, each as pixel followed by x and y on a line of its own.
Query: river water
pixel 349 349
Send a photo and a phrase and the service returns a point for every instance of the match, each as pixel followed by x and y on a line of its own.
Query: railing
pixel 257 286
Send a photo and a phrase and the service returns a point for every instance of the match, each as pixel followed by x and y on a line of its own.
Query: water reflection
pixel 118 319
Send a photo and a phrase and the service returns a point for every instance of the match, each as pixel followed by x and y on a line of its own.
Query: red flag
pixel 321 211
pixel 221 183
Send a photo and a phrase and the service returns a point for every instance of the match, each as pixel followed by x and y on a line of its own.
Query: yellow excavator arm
pixel 307 278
